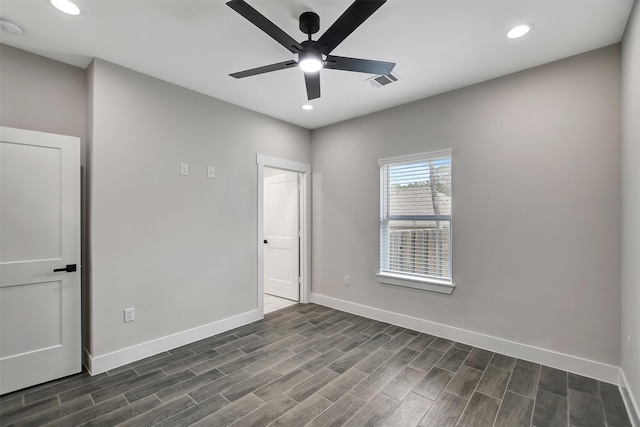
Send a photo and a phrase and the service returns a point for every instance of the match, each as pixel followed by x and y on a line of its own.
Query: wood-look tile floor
pixel 309 365
pixel 273 303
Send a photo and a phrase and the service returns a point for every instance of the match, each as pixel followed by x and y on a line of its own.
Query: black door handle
pixel 70 268
pixel 265 241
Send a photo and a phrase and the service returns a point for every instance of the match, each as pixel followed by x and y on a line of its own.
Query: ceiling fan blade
pixel 359 65
pixel 272 30
pixel 312 81
pixel 265 69
pixel 351 19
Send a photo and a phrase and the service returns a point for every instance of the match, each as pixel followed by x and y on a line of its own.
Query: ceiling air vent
pixel 384 80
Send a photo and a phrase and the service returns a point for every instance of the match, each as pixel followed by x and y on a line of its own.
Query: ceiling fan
pixel 314 55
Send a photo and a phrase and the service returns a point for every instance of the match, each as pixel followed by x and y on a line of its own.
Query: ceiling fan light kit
pixel 313 55
pixel 310 61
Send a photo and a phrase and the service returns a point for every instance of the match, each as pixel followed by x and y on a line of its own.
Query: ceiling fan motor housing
pixel 309 50
pixel 309 23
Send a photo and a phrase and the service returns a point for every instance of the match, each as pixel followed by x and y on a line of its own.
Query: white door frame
pixel 304 170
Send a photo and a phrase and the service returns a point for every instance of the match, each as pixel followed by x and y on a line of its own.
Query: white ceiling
pixel 438 45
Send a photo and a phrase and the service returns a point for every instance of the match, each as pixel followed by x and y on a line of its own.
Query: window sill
pixel 424 284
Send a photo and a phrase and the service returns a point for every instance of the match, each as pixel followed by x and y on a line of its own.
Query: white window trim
pixel 408 280
pixel 416 282
pixel 412 157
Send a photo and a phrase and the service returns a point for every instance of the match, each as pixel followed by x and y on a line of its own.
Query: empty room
pixel 320 213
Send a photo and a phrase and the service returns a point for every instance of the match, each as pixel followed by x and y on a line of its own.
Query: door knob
pixel 70 268
pixel 265 241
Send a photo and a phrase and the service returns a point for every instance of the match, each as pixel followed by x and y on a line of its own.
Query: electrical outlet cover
pixel 129 314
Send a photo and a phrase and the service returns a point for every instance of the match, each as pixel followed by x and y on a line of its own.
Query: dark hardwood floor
pixel 309 365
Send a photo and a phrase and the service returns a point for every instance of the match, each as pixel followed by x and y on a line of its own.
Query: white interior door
pixel 281 242
pixel 39 232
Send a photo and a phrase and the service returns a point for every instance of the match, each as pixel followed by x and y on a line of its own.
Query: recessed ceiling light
pixel 519 31
pixel 66 6
pixel 307 107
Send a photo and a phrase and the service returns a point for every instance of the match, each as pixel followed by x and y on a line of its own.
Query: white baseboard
pixel 98 364
pixel 629 400
pixel 577 365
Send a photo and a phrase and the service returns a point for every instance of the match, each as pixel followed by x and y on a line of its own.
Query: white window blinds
pixel 415 215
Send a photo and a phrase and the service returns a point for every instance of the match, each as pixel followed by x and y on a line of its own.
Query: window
pixel 415 221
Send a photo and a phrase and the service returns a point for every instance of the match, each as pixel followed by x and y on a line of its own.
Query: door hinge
pixel 299 280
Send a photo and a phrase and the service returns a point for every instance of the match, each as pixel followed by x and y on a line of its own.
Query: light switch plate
pixel 211 172
pixel 184 169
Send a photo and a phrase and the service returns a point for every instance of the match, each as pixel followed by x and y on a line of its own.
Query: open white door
pixel 39 232
pixel 281 243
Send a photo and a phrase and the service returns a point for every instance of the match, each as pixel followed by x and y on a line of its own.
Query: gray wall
pixel 536 205
pixel 37 93
pixel 631 201
pixel 180 249
pixel 42 94
pixel 536 199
